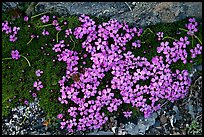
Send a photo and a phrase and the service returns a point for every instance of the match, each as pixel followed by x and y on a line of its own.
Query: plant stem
pixel 57 35
pixel 128 6
pixel 198 39
pixel 8 98
pixel 150 30
pixel 44 26
pixel 24 118
pixel 30 41
pixel 6 58
pixel 192 41
pixel 146 30
pixel 164 103
pixel 26 60
pixel 193 35
pixel 72 41
pixel 169 38
pixel 183 29
pixel 39 14
pixel 22 56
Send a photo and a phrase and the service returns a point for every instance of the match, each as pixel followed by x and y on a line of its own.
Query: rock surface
pixel 101 133
pixel 142 125
pixel 139 13
pixel 136 13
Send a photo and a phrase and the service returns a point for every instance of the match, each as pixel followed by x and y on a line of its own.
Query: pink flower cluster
pixel 191 26
pixel 176 51
pixel 55 23
pixel 127 114
pixel 196 51
pixel 68 32
pixel 136 44
pixel 127 71
pixel 45 32
pixel 37 84
pixel 160 35
pixel 9 30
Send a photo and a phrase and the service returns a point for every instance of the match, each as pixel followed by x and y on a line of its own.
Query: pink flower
pixel 60 116
pixel 38 73
pixel 136 44
pixel 38 85
pixel 63 101
pixel 26 102
pixel 62 125
pixel 15 54
pixel 34 95
pixel 12 38
pixel 58 28
pixel 45 32
pixel 191 20
pixel 45 19
pixel 26 18
pixel 160 35
pixel 127 114
pixel 68 32
pixel 55 23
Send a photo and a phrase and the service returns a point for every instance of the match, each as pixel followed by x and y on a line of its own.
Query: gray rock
pixel 21 120
pixel 192 72
pixel 34 133
pixel 126 16
pixel 47 133
pixel 153 131
pixel 121 132
pixel 30 10
pixel 142 125
pixel 190 109
pixel 169 11
pixel 137 13
pixel 101 133
pixel 142 128
pixel 199 109
pixel 178 117
pixel 193 9
pixel 175 108
pixel 199 67
pixel 91 8
pixel 9 5
pixel 157 123
pixel 132 129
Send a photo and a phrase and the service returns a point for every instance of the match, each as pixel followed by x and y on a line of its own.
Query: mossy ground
pixel 18 77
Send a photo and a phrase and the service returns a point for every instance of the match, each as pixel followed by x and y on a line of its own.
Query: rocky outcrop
pixel 137 13
pixel 140 13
